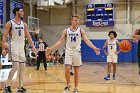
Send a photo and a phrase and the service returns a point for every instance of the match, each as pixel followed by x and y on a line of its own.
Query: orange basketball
pixel 125 46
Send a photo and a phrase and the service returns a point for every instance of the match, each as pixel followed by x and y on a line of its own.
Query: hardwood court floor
pixel 91 79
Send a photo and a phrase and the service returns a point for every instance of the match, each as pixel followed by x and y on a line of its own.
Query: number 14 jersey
pixel 73 40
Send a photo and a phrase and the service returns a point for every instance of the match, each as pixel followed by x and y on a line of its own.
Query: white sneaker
pixel 75 90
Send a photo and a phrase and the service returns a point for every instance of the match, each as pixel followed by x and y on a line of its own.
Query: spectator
pixel 57 56
pixel 50 58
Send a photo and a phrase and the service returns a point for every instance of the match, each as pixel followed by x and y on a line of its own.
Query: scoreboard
pixel 99 15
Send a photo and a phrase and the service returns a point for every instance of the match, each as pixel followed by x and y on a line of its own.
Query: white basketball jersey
pixel 18 36
pixel 112 47
pixel 73 39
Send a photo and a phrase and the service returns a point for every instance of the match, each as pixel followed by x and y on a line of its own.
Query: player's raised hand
pixel 97 51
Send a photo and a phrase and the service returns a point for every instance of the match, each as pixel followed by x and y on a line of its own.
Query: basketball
pixel 125 46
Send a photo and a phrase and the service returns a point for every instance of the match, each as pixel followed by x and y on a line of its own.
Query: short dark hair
pixel 16 9
pixel 138 32
pixel 115 34
pixel 75 16
pixel 41 38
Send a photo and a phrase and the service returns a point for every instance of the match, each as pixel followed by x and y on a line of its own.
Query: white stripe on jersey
pixel 18 36
pixel 41 47
pixel 73 40
pixel 112 47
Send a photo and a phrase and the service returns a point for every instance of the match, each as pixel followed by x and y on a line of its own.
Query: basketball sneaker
pixel 114 77
pixel 107 77
pixel 75 90
pixel 21 90
pixel 66 89
pixel 7 89
pixel 71 73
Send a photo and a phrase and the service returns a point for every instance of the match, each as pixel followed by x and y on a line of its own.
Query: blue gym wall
pixel 88 55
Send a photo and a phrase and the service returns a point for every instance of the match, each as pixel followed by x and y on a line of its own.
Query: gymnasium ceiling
pixel 104 1
pixel 95 1
pixel 78 3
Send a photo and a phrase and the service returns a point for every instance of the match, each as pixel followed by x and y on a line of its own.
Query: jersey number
pixel 111 47
pixel 73 39
pixel 19 32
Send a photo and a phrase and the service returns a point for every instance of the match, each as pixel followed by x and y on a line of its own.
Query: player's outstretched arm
pixel 58 43
pixel 29 38
pixel 104 47
pixel 89 43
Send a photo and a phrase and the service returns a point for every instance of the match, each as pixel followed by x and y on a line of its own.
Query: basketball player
pixel 17 30
pixel 111 54
pixel 137 36
pixel 73 36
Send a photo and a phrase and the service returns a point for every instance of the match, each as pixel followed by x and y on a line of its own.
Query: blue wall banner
pixel 1 13
pixel 15 4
